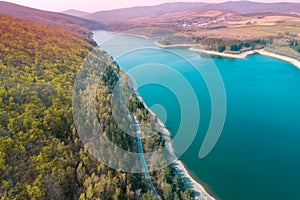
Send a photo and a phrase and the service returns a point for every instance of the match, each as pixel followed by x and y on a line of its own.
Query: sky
pixel 96 5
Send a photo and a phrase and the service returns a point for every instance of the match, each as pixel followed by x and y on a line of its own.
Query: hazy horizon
pixel 93 6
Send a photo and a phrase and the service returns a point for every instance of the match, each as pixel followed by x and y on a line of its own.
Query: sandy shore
pixel 135 35
pixel 200 192
pixel 226 55
pixel 285 58
pixel 174 45
pixel 129 34
pixel 192 47
pixel 243 55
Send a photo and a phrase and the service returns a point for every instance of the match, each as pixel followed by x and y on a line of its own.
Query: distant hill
pixel 75 24
pixel 141 11
pixel 242 7
pixel 77 13
pixel 247 7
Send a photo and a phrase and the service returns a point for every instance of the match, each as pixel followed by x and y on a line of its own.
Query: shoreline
pixel 225 55
pixel 200 191
pixel 174 45
pixel 128 34
pixel 133 34
pixel 192 47
pixel 293 61
pixel 243 55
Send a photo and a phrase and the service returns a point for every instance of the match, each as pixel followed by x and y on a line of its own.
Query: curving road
pixel 140 143
pixel 141 152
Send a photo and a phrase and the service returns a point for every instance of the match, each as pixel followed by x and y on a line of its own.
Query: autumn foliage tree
pixel 41 154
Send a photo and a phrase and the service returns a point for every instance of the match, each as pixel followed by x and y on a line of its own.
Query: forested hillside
pixel 68 22
pixel 41 154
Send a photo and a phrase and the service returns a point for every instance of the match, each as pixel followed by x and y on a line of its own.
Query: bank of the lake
pixel 243 55
pixel 199 190
pixel 174 45
pixel 225 55
pixel 293 61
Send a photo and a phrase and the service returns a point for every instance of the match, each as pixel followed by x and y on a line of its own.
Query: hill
pixel 248 7
pixel 141 11
pixel 75 24
pixel 242 7
pixel 76 13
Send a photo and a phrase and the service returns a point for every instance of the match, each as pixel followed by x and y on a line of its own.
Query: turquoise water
pixel 258 153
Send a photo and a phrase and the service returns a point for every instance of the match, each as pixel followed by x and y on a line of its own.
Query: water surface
pixel 258 153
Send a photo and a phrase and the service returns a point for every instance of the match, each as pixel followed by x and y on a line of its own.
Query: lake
pixel 258 153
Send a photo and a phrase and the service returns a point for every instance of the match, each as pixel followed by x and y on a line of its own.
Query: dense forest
pixel 41 154
pixel 286 44
pixel 232 45
pixel 228 45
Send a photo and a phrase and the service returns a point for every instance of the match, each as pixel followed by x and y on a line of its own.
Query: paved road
pixel 141 151
pixel 140 144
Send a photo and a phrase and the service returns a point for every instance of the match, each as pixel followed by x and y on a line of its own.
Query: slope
pixel 68 22
pixel 134 12
pixel 242 7
pixel 76 13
